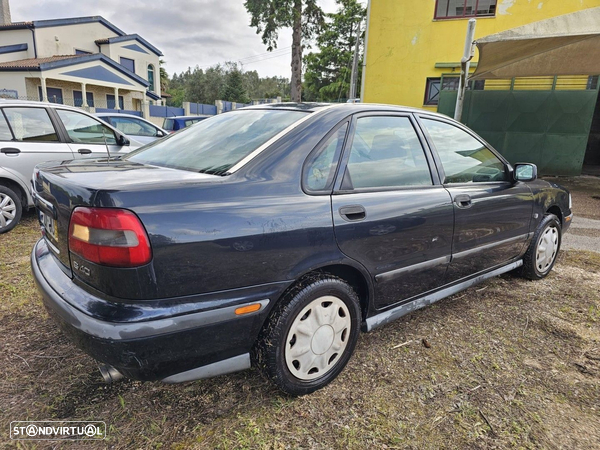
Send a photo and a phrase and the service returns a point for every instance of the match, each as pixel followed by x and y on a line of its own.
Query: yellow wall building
pixel 407 39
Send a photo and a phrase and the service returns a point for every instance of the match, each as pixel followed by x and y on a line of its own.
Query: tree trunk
pixel 296 93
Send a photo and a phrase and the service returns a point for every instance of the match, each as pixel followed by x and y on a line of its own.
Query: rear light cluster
pixel 109 236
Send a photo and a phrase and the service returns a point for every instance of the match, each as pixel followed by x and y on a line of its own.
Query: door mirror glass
pixel 525 172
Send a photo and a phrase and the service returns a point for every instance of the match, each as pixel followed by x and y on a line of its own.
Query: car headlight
pixel 570 201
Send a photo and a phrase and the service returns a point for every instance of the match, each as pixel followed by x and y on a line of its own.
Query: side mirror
pixel 122 140
pixel 525 172
pixel 160 133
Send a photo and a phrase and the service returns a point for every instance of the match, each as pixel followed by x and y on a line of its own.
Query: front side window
pixel 129 125
pixel 83 129
pixel 151 87
pixel 451 9
pixel 215 145
pixel 320 169
pixel 386 152
pixel 31 124
pixel 464 158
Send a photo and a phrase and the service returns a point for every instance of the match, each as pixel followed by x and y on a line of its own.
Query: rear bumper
pixel 179 347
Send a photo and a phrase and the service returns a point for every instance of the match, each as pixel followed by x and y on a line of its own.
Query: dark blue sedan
pixel 270 236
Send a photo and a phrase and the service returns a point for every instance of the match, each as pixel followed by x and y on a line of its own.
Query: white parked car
pixel 135 127
pixel 35 132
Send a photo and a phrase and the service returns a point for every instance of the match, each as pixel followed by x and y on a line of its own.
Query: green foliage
pixel 328 72
pixel 233 89
pixel 222 82
pixel 305 18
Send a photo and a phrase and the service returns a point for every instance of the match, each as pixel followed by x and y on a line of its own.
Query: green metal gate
pixel 545 121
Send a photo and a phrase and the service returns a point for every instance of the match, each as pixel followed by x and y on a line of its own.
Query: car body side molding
pixel 406 308
pixel 387 276
pixel 229 365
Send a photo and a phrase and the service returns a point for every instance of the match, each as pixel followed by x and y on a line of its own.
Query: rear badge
pixel 80 268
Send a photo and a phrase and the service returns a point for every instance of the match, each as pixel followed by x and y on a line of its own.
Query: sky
pixel 188 32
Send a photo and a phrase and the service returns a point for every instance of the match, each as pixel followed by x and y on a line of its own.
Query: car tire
pixel 11 209
pixel 543 250
pixel 310 335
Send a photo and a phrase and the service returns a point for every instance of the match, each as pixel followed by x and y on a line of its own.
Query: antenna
pixel 105 144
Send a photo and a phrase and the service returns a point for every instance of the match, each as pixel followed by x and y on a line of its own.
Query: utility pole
pixel 354 76
pixel 465 64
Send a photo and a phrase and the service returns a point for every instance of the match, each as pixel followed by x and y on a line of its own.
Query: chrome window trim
pixel 275 138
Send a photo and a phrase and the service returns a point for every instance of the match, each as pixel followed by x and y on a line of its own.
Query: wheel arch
pixel 16 187
pixel 351 273
pixel 555 209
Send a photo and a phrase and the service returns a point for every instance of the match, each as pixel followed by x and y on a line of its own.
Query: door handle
pixel 463 201
pixel 84 151
pixel 353 213
pixel 10 151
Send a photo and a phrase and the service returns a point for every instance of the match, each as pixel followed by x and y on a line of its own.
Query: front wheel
pixel 543 250
pixel 310 336
pixel 10 209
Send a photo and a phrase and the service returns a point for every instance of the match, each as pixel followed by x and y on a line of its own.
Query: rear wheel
pixel 543 250
pixel 11 209
pixel 310 336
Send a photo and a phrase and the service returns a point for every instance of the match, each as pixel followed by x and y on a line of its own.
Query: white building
pixel 83 61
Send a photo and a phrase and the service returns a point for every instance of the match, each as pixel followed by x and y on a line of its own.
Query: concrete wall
pixel 12 37
pixel 64 40
pixel 405 42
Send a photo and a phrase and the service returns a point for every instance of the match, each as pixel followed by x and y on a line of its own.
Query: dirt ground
pixel 508 363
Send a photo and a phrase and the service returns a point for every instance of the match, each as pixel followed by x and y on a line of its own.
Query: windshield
pixel 215 145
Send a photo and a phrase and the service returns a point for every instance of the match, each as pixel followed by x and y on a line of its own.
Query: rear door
pixel 29 137
pixel 492 213
pixel 390 213
pixel 88 137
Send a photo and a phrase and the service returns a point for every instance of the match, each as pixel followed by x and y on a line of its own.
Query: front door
pixel 492 213
pixel 388 214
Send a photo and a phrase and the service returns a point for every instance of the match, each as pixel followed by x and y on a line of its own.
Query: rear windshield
pixel 215 145
pixel 168 124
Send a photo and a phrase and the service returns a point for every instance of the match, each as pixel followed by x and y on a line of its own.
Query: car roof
pixel 13 102
pixel 187 117
pixel 108 114
pixel 352 108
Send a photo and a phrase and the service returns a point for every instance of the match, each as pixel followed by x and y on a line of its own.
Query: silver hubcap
pixel 317 338
pixel 7 210
pixel 546 250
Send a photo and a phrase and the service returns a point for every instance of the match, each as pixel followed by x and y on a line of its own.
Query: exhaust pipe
pixel 109 373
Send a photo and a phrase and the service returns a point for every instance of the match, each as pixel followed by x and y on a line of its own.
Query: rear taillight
pixel 110 237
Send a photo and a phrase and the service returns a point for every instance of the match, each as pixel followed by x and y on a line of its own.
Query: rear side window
pixel 215 145
pixel 191 122
pixel 320 169
pixel 31 124
pixel 83 129
pixel 464 158
pixel 168 124
pixel 386 152
pixel 5 134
